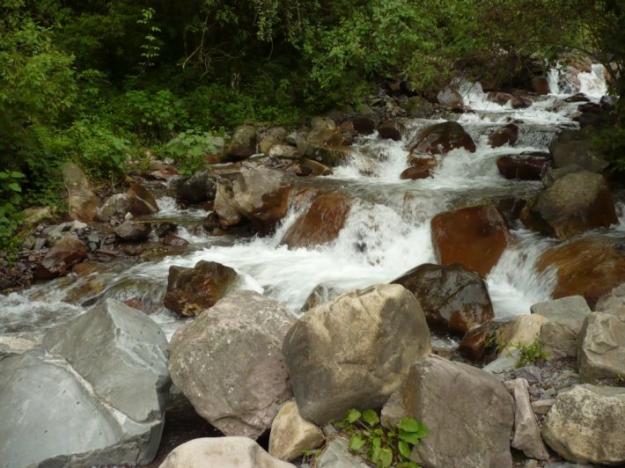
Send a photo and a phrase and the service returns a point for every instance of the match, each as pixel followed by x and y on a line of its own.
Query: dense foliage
pixel 101 81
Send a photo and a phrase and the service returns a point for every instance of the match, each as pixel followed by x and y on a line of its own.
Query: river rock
pixel 454 300
pixel 142 202
pixel 516 102
pixel 574 147
pixel 480 342
pixel 115 206
pixel 474 237
pixel 243 143
pixel 133 231
pixel 272 137
pixel 613 302
pixel 390 130
pixel 192 290
pixel 197 188
pixel 229 364
pixel 222 452
pixel 442 138
pixel 82 203
pixel 291 435
pixel 524 330
pixel 540 85
pixel 322 222
pixel 583 425
pixel 336 454
pixel 565 318
pixel 469 413
pixel 258 194
pixel 66 252
pixel 589 267
pixel 96 399
pixel 526 431
pixel 363 124
pixel 451 99
pixel 523 167
pixel 506 135
pixel 380 331
pixel 420 168
pixel 601 354
pixel 324 143
pixel 574 203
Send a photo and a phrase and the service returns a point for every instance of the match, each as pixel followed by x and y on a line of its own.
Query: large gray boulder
pixel 585 425
pixel 96 398
pixel 221 452
pixel 469 413
pixel 601 354
pixel 354 351
pixel 565 319
pixel 229 364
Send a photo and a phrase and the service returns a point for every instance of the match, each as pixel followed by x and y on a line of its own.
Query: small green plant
pixel 379 445
pixel 10 201
pixel 189 148
pixel 531 353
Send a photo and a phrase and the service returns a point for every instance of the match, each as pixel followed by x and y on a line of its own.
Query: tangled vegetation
pixel 101 81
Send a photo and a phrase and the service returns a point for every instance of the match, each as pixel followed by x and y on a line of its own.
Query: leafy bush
pixel 10 201
pixel 189 148
pixel 531 354
pixel 154 115
pixel 379 445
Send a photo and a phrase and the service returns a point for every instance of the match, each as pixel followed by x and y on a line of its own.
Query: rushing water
pixel 387 231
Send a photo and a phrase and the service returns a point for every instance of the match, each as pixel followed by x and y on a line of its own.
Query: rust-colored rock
pixel 590 267
pixel 66 252
pixel 442 138
pixel 390 130
pixel 141 200
pixel 507 135
pixel 480 343
pixel 473 237
pixel 420 168
pixel 523 167
pixel 540 85
pixel 575 203
pixel 321 223
pixel 517 102
pixel 192 290
pixel 454 300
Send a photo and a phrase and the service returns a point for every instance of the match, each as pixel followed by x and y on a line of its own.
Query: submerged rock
pixel 454 300
pixel 574 203
pixel 96 399
pixel 442 138
pixel 223 452
pixel 190 291
pixel 321 223
pixel 473 237
pixel 229 364
pixel 584 424
pixel 379 332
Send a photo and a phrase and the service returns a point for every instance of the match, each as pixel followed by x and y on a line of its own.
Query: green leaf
pixel 410 437
pixel 386 458
pixel 356 443
pixel 353 415
pixel 412 425
pixel 15 187
pixel 370 417
pixel 404 448
pixel 376 445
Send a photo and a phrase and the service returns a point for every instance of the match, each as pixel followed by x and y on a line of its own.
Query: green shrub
pixel 189 148
pixel 379 445
pixel 153 115
pixel 531 354
pixel 10 203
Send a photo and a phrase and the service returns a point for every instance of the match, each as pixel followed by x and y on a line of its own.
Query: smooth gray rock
pixel 337 455
pixel 116 205
pixel 585 425
pixel 601 352
pixel 121 352
pixel 613 302
pixel 221 452
pixel 229 364
pixel 133 231
pixel 526 431
pixel 96 398
pixel 469 413
pixel 354 351
pixel 559 335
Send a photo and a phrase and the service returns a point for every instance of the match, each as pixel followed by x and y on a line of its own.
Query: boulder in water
pixel 193 290
pixel 442 138
pixel 229 364
pixel 523 166
pixel 451 99
pixel 583 425
pixel 540 85
pixel 197 188
pixel 321 223
pixel 66 252
pixel 516 102
pixel 364 124
pixel 469 413
pixel 453 299
pixel 115 206
pixel 574 203
pixel 325 143
pixel 379 331
pixel 390 130
pixel 133 231
pixel 226 452
pixel 574 147
pixel 82 202
pixel 141 200
pixel 420 168
pixel 473 237
pixel 507 135
pixel 589 267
